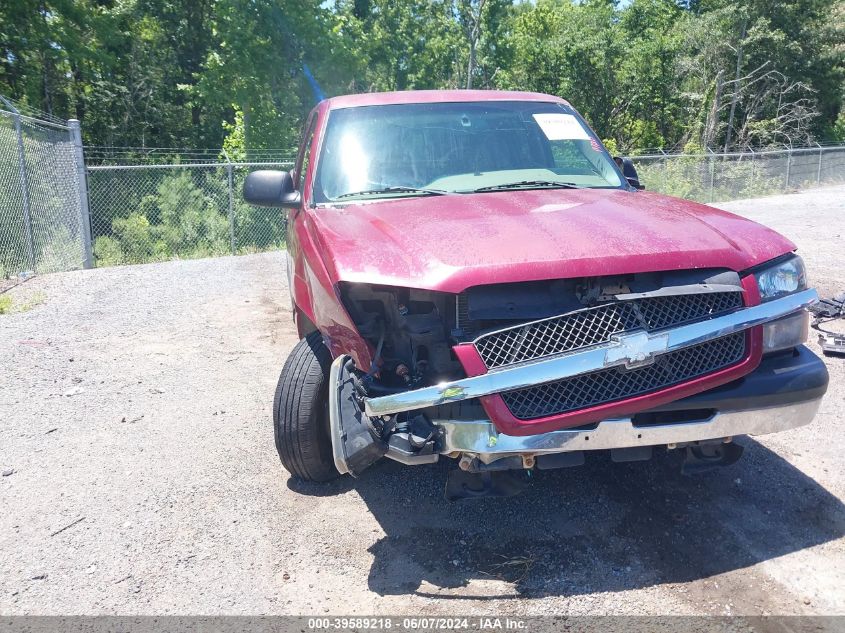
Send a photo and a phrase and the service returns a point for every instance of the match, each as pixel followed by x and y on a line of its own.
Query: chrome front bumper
pixel 480 437
pixel 636 347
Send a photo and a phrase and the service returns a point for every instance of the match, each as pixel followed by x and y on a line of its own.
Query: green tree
pixel 256 65
pixel 403 45
pixel 571 50
pixel 189 73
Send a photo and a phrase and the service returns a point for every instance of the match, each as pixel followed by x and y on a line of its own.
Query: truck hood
pixel 452 242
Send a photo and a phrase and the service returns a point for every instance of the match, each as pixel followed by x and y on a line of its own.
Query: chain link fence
pixel 712 177
pixel 155 212
pixel 43 205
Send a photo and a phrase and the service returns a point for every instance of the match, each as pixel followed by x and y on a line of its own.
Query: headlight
pixel 787 332
pixel 776 280
pixel 783 278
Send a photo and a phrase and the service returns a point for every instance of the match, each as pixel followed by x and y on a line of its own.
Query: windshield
pixel 430 148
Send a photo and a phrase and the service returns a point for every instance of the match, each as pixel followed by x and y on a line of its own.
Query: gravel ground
pixel 140 477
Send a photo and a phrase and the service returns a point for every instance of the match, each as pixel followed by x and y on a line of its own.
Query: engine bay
pixel 412 331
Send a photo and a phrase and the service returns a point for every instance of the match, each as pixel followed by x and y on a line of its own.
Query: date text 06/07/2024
pixel 418 624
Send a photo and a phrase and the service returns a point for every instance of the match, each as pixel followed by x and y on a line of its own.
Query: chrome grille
pixel 609 385
pixel 593 326
pixel 662 312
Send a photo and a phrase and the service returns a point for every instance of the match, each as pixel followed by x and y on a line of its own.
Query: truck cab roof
pixel 436 96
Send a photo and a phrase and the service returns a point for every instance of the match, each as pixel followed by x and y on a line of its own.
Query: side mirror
pixel 271 188
pixel 629 171
pixel 636 184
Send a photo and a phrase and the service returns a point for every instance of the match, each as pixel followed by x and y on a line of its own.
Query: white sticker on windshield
pixel 559 127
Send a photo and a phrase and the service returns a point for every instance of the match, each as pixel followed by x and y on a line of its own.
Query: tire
pixel 301 412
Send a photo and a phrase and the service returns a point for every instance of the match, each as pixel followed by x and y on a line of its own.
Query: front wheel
pixel 301 412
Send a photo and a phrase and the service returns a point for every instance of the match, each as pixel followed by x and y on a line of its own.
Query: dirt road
pixel 140 476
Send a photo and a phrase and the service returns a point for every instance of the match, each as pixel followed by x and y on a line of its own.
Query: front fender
pixel 314 295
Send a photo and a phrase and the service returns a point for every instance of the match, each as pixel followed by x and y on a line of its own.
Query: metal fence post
pixel 788 167
pixel 27 210
pixel 819 172
pixel 231 206
pixel 82 176
pixel 712 173
pixel 753 173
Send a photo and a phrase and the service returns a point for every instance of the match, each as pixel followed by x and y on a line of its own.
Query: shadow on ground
pixel 600 527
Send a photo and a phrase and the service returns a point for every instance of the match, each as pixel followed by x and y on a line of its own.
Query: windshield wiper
pixel 399 189
pixel 529 184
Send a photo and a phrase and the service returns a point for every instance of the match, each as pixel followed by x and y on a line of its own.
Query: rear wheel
pixel 301 412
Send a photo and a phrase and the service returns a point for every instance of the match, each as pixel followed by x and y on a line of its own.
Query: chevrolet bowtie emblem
pixel 635 350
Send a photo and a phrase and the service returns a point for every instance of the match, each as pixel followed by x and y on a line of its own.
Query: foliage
pixel 107 251
pixel 193 73
pixel 708 178
pixel 182 218
pixel 8 305
pixel 234 145
pixel 837 130
pixel 611 146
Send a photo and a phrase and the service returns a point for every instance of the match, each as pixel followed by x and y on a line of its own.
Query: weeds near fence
pixel 9 306
pixel 717 177
pixel 177 219
pixel 148 213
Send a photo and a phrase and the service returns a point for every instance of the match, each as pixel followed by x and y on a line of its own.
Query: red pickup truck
pixel 473 277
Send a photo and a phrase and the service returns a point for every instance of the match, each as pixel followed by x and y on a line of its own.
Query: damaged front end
pixel 520 376
pixel 358 440
pixel 411 343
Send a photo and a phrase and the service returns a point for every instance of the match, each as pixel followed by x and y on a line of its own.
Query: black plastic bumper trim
pixel 779 380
